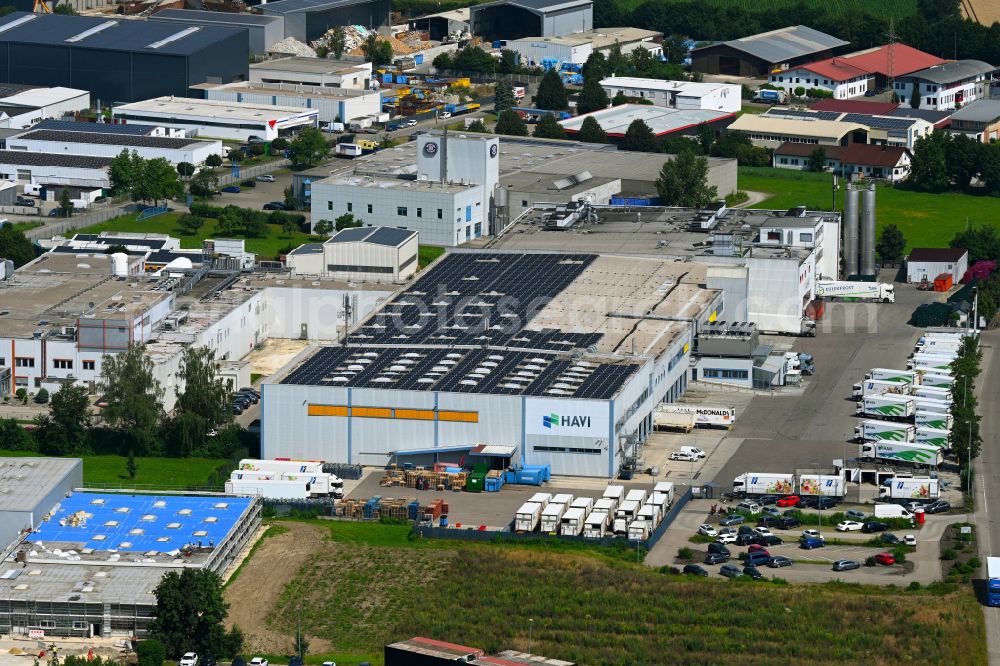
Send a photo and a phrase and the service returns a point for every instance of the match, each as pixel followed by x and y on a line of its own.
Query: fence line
pixel 60 227
pixel 253 171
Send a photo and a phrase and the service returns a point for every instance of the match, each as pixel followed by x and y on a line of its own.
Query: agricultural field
pixel 357 586
pixel 108 471
pixel 926 220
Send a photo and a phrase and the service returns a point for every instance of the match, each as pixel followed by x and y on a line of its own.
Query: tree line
pixel 964 438
pixel 943 162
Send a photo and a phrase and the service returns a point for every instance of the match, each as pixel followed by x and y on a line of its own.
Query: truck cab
pixel 993 581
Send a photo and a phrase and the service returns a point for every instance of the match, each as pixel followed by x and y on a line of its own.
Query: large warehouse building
pixel 96 144
pixel 759 55
pixel 118 60
pixel 561 358
pixel 307 20
pixel 516 19
pixel 262 31
pixel 31 488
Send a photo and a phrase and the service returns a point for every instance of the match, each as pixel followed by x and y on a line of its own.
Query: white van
pixel 694 451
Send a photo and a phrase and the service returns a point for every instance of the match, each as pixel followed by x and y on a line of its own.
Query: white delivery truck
pixel 827 485
pixel 280 466
pixel 933 420
pixel 933 392
pixel 541 498
pixel 551 518
pixel 910 489
pixel 871 431
pixel 922 404
pixel 761 483
pixel 572 521
pixel 918 454
pixel 596 525
pixel 624 516
pixel 932 437
pixel 667 488
pixel 875 387
pixel 932 361
pixel 936 380
pixel 636 495
pixel 891 511
pixel 639 530
pixel 685 417
pixel 528 516
pixel 855 291
pixel 889 375
pixel 585 503
pixel 887 406
pixel 614 493
pixel 269 488
pixel 651 514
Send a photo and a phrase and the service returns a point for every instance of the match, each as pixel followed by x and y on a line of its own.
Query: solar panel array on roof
pixel 803 113
pixel 151 243
pixel 98 128
pixel 390 236
pixel 108 139
pixel 480 299
pixel 453 370
pixel 880 122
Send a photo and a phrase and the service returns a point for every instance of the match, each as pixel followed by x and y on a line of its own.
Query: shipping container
pixel 527 517
pixel 585 503
pixel 572 521
pixel 943 282
pixel 596 524
pixel 636 495
pixel 551 517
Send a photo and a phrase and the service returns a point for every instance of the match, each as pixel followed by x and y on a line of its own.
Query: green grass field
pixel 265 248
pixel 370 584
pixel 25 226
pixel 153 473
pixel 926 220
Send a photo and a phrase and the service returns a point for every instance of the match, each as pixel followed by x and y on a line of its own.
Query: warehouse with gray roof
pixel 262 31
pixel 31 488
pixel 307 20
pixel 757 55
pixel 118 60
pixel 516 19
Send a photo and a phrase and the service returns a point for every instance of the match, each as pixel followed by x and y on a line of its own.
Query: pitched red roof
pixel 905 60
pixel 835 69
pixel 865 154
pixel 854 106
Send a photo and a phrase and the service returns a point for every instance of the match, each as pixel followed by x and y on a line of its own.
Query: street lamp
pixel 531 621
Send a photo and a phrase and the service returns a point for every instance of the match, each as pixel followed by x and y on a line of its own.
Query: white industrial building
pixel 31 105
pixel 578 46
pixel 926 263
pixel 448 203
pixel 568 374
pixel 216 118
pixel 321 72
pixel 95 144
pixel 948 86
pixel 360 254
pixel 676 94
pixel 32 488
pixel 331 104
pixel 54 169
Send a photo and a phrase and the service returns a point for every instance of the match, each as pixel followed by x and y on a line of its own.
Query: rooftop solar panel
pixel 880 122
pixel 803 113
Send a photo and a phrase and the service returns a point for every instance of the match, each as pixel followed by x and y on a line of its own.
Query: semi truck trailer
pixel 887 406
pixel 552 518
pixel 934 420
pixel 876 431
pixel 877 386
pixel 910 489
pixel 931 361
pixel 572 521
pixel 918 454
pixel 855 291
pixel 932 392
pixel 888 375
pixel 937 380
pixel 923 404
pixel 827 485
pixel 685 417
pixel 932 437
pixel 596 525
pixel 760 483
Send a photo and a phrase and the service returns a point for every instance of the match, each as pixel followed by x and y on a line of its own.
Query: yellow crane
pixel 44 7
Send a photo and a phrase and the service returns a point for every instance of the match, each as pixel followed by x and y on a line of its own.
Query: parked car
pixel 232 189
pixel 873 526
pixel 755 559
pixel 779 561
pixel 885 559
pixel 248 183
pixel 854 514
pixel 237 410
pixel 258 661
pixel 772 540
pixel 718 549
pixel 752 507
pixel 694 570
pixel 745 529
pixel 253 138
pixel 846 565
pixel 913 506
pixel 768 500
pixel 769 521
pixel 811 534
pixel 734 519
pixel 762 531
pixel 889 538
pixel 274 205
pixel 757 548
pixel 707 530
pixel 818 503
pixel 771 511
pixel 753 572
pixel 748 539
pixel 444 115
pixel 789 523
pixel 940 506
pixel 726 538
pixel 730 571
pixel 682 455
pixel 252 397
pixel 790 500
pixel 849 526
pixel 728 531
pixel 410 123
pixel 265 179
pixel 25 201
pixel 188 659
pixel 809 544
pixel 716 558
pixel 910 540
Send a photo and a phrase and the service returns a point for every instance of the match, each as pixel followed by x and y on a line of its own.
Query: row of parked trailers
pixel 911 408
pixel 633 514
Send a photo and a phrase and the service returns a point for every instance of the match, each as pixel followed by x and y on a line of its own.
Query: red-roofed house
pixel 905 60
pixel 834 75
pixel 864 159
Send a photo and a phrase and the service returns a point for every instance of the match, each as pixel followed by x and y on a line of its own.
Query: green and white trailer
pixel 887 406
pixel 932 405
pixel 932 361
pixel 932 437
pixel 888 375
pixel 937 380
pixel 932 392
pixel 917 454
pixel 933 420
pixel 855 291
pixel 872 431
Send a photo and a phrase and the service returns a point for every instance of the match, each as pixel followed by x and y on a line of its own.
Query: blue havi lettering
pixel 575 421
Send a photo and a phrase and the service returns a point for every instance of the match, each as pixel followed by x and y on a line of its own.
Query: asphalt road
pixel 987 477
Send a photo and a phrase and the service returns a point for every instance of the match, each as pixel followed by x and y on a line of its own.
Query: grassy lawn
pixel 25 226
pixel 927 220
pixel 265 248
pixel 428 253
pixel 153 473
pixel 369 584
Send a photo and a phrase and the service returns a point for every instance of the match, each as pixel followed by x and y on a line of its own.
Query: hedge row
pixel 273 217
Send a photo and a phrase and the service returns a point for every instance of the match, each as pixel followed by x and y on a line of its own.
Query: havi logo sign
pixel 556 421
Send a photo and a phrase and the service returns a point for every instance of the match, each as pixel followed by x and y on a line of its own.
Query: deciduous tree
pixel 134 398
pixel 683 181
pixel 338 42
pixel 891 243
pixel 309 148
pixel 929 168
pixel 511 124
pixel 190 615
pixel 64 431
pixel 551 92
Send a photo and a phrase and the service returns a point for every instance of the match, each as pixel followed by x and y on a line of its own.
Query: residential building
pixel 770 131
pixel 949 85
pixel 882 130
pixel 516 19
pixel 759 55
pixel 836 76
pixel 979 120
pixel 677 94
pixel 891 61
pixel 926 263
pixel 856 160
